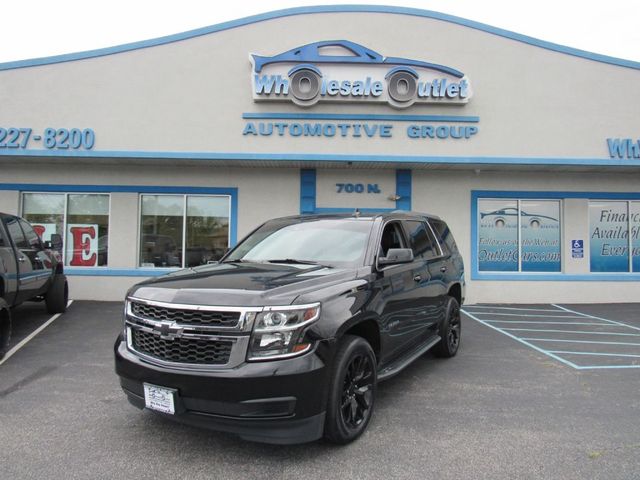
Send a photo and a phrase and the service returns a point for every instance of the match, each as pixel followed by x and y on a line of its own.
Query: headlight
pixel 279 331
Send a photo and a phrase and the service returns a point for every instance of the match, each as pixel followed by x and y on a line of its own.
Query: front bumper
pixel 279 401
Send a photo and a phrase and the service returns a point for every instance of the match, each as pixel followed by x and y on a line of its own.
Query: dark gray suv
pixel 286 339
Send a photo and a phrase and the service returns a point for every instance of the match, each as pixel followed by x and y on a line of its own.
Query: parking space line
pixel 513 308
pixel 605 367
pixel 559 340
pixel 571 331
pixel 28 338
pixel 520 340
pixel 522 315
pixel 548 323
pixel 574 323
pixel 595 353
pixel 597 318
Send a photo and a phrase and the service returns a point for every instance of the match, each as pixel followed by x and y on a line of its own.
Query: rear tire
pixel 352 390
pixel 57 296
pixel 5 328
pixel 450 331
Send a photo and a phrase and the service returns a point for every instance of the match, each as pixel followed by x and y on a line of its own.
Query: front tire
pixel 57 296
pixel 353 390
pixel 450 331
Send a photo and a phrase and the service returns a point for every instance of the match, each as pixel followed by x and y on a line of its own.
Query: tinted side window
pixel 13 227
pixel 446 238
pixel 421 240
pixel 391 238
pixel 32 237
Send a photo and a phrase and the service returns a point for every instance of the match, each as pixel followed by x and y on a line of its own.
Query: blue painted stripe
pixel 321 157
pixel 559 340
pixel 352 210
pixel 116 272
pixel 528 315
pixel 542 277
pixel 556 277
pixel 403 189
pixel 324 9
pixel 614 322
pixel 545 323
pixel 307 190
pixel 361 116
pixel 598 354
pixel 606 367
pixel 232 192
pixel 571 331
pixel 518 339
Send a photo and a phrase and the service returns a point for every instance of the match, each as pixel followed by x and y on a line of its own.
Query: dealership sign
pixel 343 71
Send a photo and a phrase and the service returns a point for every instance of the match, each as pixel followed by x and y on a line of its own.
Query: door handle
pixel 443 269
pixel 417 278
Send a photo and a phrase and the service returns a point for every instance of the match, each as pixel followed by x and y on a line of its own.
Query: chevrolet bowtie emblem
pixel 168 331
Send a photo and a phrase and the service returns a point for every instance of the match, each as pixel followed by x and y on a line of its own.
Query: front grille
pixel 185 316
pixel 182 349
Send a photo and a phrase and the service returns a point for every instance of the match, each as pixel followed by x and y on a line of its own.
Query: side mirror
pixel 396 256
pixel 55 243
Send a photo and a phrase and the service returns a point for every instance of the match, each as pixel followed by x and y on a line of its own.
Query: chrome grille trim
pixel 237 356
pixel 238 335
pixel 244 323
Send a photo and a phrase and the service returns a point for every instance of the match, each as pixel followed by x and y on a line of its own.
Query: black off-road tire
pixel 352 390
pixel 5 328
pixel 450 331
pixel 57 296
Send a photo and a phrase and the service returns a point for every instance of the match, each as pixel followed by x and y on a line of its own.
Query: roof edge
pixel 69 57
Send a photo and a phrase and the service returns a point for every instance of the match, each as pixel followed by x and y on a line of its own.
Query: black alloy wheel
pixel 353 390
pixel 357 391
pixel 450 331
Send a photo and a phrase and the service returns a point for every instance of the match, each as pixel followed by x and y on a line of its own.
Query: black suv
pixel 285 340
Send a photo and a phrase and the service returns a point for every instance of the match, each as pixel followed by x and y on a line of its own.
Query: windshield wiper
pixel 293 260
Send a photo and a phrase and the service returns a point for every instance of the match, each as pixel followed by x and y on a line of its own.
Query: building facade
pixel 162 154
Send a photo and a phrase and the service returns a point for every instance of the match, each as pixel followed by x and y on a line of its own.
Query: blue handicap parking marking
pixel 575 339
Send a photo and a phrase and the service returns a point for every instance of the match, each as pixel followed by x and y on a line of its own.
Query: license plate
pixel 161 399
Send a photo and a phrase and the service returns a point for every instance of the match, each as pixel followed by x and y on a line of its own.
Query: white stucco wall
pixel 187 98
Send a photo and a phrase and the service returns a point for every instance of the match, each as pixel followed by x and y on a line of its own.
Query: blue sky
pixel 37 28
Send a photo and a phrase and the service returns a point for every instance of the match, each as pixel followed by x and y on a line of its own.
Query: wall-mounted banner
pixel 540 235
pixel 498 236
pixel 609 236
pixel 538 243
pixel 82 245
pixel 344 71
pixel 611 222
pixel 634 223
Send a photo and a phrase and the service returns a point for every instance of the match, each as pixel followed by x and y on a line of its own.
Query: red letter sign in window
pixel 83 245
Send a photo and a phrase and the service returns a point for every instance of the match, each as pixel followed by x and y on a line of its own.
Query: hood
pixel 240 284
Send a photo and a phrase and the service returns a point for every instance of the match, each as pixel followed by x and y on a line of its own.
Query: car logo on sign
pixel 344 71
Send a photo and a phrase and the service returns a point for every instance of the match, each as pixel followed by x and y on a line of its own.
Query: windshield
pixel 323 241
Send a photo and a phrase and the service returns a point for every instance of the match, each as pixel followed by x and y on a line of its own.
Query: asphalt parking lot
pixel 506 407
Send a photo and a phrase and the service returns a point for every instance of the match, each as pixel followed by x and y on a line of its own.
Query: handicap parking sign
pixel 577 248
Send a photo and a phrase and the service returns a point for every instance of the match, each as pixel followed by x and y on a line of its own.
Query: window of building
pixel 183 230
pixel 82 220
pixel 614 233
pixel 519 235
